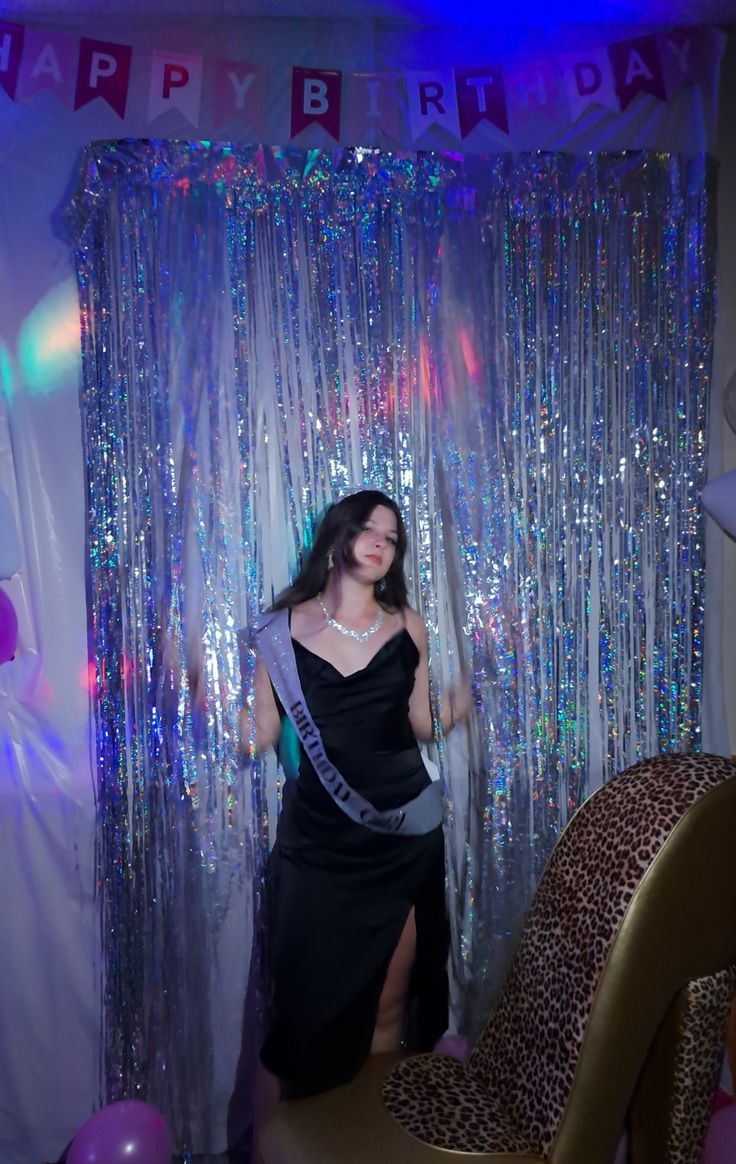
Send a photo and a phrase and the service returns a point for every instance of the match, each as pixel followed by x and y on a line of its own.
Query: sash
pixel 415 818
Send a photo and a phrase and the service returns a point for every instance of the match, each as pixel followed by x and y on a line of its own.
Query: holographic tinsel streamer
pixel 516 348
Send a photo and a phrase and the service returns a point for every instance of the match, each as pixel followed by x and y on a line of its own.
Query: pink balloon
pixel 8 628
pixel 720 1142
pixel 128 1132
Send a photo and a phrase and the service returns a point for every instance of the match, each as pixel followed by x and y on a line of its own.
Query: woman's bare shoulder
pixel 415 625
pixel 307 607
pixel 306 618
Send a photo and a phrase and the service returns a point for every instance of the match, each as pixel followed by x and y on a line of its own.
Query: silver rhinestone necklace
pixel 359 636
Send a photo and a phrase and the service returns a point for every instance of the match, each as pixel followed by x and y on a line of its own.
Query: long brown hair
pixel 336 532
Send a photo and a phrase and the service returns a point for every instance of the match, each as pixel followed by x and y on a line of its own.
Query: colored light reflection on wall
pixel 49 352
pixel 6 372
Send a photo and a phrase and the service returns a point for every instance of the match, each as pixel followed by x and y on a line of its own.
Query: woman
pixel 359 930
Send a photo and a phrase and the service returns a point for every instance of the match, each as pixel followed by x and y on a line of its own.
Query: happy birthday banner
pixel 360 107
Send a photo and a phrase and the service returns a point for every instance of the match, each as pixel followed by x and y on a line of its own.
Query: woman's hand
pixel 456 704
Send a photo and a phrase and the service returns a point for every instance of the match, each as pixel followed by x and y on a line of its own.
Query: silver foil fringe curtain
pixel 518 350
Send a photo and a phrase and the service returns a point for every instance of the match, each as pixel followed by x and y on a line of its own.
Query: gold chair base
pixel 350 1125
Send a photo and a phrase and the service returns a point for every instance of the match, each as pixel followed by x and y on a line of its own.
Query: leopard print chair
pixel 614 1009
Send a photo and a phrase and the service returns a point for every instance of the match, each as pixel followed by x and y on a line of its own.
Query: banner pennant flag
pixel 315 99
pixel 481 96
pixel 588 81
pixel 238 93
pixel 532 92
pixel 103 71
pixel 432 101
pixel 11 51
pixel 636 69
pixel 371 108
pixel 49 62
pixel 687 58
pixel 176 83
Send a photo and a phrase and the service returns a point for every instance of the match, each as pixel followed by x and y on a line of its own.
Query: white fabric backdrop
pixel 49 956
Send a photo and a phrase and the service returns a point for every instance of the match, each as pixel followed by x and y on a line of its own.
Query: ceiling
pixel 471 13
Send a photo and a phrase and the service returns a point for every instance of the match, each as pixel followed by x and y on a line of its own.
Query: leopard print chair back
pixel 618 995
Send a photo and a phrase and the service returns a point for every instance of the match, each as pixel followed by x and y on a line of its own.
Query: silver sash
pixel 415 818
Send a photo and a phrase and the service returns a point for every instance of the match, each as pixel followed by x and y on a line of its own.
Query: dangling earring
pixel 381 586
pixel 330 560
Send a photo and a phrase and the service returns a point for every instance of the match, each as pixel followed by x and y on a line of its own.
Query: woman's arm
pixel 455 702
pixel 268 721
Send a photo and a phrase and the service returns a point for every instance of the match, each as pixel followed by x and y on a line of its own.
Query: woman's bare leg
pixel 266 1094
pixel 390 1017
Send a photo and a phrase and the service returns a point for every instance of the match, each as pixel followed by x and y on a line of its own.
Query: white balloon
pixel 719 499
pixel 10 555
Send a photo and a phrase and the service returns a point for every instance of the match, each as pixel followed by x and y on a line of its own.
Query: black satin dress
pixel 341 893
